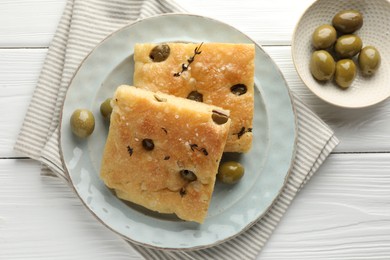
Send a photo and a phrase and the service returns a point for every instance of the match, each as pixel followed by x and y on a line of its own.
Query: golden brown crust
pixel 184 137
pixel 213 72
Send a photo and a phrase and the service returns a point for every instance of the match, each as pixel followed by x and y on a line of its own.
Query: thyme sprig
pixel 185 66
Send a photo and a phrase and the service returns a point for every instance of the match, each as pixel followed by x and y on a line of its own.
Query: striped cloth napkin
pixel 83 25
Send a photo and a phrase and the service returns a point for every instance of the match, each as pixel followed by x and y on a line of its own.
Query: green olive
pixel 348 45
pixel 238 89
pixel 324 36
pixel 348 21
pixel 219 117
pixel 369 60
pixel 106 108
pixel 196 96
pixel 160 53
pixel 148 144
pixel 345 73
pixel 82 122
pixel 230 172
pixel 322 65
pixel 188 175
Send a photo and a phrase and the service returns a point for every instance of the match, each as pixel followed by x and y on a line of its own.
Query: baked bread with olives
pixel 221 74
pixel 163 152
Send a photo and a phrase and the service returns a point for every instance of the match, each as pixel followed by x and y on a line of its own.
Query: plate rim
pixel 291 161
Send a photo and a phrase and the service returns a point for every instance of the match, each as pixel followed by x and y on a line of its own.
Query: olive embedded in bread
pixel 188 175
pixel 160 53
pixel 148 144
pixel 196 96
pixel 238 89
pixel 219 117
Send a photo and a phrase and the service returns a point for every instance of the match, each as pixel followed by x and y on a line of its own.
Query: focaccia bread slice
pixel 221 74
pixel 163 152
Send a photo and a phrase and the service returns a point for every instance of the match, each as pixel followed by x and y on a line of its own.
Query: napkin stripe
pixel 84 23
pixel 60 69
pixel 34 131
pixel 329 146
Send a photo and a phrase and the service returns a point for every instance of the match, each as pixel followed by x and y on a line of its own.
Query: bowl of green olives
pixel 340 51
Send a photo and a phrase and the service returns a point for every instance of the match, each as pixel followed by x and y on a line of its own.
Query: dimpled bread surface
pixel 185 138
pixel 213 72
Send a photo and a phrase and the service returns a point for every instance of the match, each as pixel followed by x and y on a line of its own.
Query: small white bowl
pixel 364 91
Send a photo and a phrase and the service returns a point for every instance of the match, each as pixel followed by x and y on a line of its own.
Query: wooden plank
pixel 268 22
pixel 26 23
pixel 19 70
pixel 342 213
pixel 41 218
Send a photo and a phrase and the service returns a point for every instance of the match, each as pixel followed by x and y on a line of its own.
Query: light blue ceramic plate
pixel 233 208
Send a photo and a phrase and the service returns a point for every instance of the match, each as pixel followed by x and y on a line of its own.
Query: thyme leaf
pixel 130 150
pixel 243 131
pixel 182 192
pixel 200 149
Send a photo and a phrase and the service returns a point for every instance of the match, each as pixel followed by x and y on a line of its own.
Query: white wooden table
pixel 343 213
